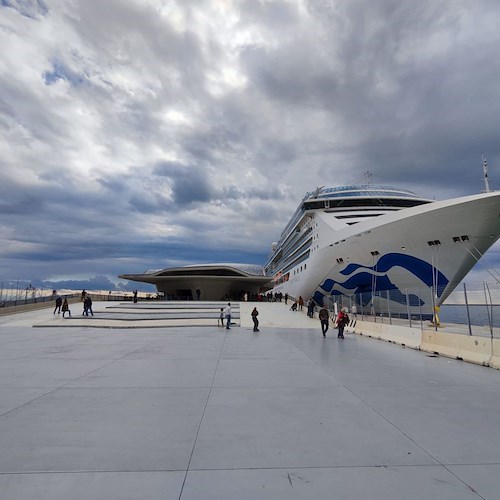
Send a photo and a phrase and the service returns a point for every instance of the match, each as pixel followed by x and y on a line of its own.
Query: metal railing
pixel 472 309
pixel 11 300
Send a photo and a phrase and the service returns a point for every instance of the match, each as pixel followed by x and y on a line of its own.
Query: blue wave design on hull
pixel 361 282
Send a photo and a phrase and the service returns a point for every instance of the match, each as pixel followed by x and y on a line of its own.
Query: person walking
pixel 135 297
pixel 227 313
pixel 342 322
pixel 301 303
pixel 354 313
pixel 87 306
pixel 255 320
pixel 58 305
pixel 65 308
pixel 324 318
pixel 310 307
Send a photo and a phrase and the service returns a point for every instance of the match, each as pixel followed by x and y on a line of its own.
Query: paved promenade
pixel 207 413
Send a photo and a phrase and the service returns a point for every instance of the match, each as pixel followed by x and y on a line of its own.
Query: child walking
pixel 220 321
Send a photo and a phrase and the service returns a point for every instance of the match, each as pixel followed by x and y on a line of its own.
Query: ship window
pixel 456 239
pixel 312 205
pixel 354 216
pixel 375 253
pixel 465 238
pixel 377 202
pixel 340 260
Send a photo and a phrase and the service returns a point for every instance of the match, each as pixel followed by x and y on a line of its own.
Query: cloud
pixel 28 8
pixel 135 135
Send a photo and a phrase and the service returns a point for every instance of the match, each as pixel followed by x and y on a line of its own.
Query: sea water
pixel 480 315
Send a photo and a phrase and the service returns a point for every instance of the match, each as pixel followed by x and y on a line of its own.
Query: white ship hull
pixel 423 251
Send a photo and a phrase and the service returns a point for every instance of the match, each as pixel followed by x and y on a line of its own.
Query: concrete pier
pixel 200 412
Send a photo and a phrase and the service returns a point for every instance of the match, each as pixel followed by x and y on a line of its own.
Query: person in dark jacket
pixel 324 318
pixel 310 307
pixel 255 320
pixel 87 306
pixel 65 308
pixel 58 305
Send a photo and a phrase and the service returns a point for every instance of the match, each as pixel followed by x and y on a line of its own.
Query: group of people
pixel 341 321
pixel 225 314
pixel 298 305
pixel 63 305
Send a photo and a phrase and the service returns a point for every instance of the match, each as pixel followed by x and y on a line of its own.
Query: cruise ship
pixel 383 247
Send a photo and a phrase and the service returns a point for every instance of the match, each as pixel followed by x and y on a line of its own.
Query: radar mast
pixel 485 174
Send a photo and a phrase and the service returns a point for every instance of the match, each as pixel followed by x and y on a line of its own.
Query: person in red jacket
pixel 342 322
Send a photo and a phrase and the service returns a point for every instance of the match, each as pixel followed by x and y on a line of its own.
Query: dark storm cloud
pixel 419 108
pixel 191 187
pixel 189 183
pixel 408 109
pixel 15 200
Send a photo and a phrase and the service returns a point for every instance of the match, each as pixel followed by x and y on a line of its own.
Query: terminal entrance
pixel 184 294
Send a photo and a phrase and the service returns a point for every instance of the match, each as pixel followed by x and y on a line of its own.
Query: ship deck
pixel 190 412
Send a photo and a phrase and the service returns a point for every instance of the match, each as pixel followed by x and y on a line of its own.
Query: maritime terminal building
pixel 214 281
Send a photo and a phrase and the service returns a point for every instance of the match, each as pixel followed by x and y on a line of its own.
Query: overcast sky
pixel 139 134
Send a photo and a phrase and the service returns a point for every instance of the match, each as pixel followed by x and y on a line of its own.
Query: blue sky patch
pixel 61 72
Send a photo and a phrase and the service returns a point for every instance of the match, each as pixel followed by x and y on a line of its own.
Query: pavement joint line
pixel 375 411
pixel 203 414
pixel 72 381
pixel 28 402
pixel 226 469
